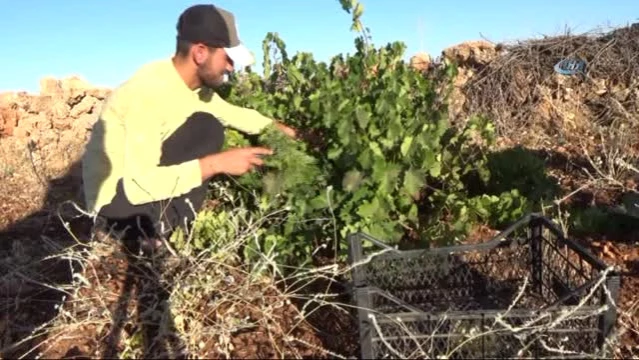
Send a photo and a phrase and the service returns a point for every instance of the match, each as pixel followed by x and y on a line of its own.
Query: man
pixel 159 137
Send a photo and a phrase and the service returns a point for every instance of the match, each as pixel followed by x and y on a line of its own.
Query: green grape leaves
pixel 381 156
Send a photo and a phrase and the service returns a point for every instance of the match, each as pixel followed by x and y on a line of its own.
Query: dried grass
pixel 202 304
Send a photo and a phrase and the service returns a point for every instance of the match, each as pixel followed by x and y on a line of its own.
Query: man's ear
pixel 200 53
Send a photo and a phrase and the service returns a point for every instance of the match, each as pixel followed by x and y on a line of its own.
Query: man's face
pixel 213 66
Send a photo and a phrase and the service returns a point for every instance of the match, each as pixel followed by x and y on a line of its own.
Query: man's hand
pixel 233 162
pixel 286 130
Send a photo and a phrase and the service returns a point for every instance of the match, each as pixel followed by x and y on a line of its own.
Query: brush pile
pixel 520 89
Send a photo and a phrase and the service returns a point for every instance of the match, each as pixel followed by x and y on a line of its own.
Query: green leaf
pixel 360 194
pixel 387 173
pixel 346 5
pixel 373 131
pixel 412 213
pixel 342 105
pixel 413 182
pixel 344 128
pixel 435 169
pixel 387 143
pixel 359 10
pixel 294 74
pixel 375 148
pixel 368 209
pixel 365 159
pixel 297 102
pixel 334 153
pixel 406 143
pixel 363 117
pixel 319 202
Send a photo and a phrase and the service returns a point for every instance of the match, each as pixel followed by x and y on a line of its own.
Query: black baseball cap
pixel 214 27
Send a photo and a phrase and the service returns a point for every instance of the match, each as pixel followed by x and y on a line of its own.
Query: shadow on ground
pixel 590 208
pixel 516 168
pixel 33 269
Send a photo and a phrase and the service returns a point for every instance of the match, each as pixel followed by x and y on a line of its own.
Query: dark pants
pixel 202 134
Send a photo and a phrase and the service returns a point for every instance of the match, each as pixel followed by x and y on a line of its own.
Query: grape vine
pixel 377 153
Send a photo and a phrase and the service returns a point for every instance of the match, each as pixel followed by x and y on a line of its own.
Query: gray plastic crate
pixel 470 301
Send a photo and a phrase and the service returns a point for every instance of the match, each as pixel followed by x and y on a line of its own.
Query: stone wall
pixel 69 105
pixel 44 134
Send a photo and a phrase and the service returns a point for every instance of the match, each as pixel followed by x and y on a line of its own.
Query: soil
pixel 324 331
pixel 254 342
pixel 626 257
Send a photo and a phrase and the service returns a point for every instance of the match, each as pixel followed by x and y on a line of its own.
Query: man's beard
pixel 211 81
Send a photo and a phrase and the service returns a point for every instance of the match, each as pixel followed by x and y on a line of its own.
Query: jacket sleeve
pixel 144 180
pixel 245 120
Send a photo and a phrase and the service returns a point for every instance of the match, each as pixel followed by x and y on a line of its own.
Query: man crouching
pixel 159 137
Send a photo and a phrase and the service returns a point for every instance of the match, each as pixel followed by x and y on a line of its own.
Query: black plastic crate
pixel 470 301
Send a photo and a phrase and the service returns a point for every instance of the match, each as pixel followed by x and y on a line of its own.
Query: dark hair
pixel 182 47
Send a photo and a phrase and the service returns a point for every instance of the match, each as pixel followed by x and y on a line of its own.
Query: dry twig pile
pixel 519 88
